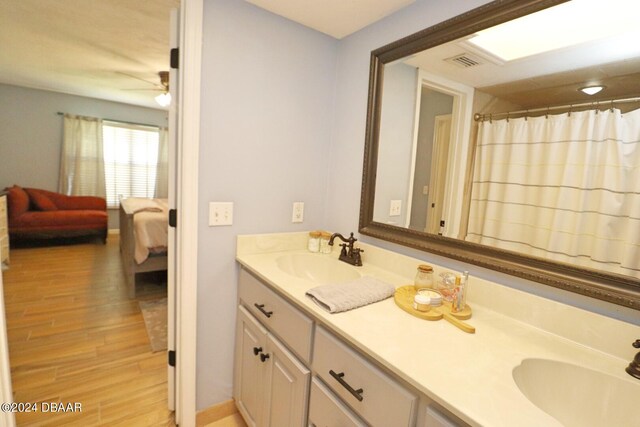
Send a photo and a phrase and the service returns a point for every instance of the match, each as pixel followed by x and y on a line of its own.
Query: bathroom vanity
pixel 296 364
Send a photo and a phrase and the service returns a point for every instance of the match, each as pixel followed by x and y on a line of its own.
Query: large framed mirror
pixel 484 145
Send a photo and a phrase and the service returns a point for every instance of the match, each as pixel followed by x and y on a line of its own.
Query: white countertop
pixel 469 374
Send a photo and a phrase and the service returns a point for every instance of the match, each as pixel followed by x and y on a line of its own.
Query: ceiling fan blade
pixel 152 90
pixel 159 87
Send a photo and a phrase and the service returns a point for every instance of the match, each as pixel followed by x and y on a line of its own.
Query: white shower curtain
pixel 564 187
pixel 81 163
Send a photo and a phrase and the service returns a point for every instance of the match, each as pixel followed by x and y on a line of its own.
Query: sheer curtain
pixel 162 174
pixel 563 187
pixel 81 163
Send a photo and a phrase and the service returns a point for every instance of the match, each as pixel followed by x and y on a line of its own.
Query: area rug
pixel 155 320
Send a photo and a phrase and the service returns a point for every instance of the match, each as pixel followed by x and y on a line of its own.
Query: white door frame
pixel 462 117
pixel 191 15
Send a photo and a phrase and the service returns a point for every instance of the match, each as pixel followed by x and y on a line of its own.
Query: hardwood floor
pixel 75 337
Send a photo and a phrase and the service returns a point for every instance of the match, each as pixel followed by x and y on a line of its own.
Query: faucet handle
pixel 356 257
pixel 636 344
pixel 343 251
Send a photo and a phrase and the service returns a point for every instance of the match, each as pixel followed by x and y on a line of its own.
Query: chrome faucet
pixel 348 254
pixel 634 367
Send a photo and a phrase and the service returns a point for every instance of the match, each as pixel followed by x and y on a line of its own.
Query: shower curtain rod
pixel 121 121
pixel 596 104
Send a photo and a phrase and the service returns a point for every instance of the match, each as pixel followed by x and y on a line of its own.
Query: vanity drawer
pixel 326 410
pixel 280 317
pixel 375 396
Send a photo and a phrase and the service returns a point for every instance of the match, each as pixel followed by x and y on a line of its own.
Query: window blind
pixel 130 160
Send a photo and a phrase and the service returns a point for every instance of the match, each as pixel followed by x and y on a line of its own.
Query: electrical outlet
pixel 298 212
pixel 220 213
pixel 395 207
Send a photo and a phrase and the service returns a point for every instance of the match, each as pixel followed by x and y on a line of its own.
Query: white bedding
pixel 150 225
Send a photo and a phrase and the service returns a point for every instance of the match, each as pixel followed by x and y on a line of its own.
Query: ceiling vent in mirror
pixel 465 60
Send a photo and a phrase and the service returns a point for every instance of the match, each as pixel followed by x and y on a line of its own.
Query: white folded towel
pixel 347 296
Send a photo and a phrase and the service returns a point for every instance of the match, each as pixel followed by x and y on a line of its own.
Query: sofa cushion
pixel 40 201
pixel 62 219
pixel 17 200
pixel 64 202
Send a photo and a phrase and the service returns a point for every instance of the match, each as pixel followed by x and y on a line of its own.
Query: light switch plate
pixel 395 207
pixel 220 213
pixel 298 212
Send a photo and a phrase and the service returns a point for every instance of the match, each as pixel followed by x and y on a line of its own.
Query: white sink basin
pixel 318 268
pixel 578 396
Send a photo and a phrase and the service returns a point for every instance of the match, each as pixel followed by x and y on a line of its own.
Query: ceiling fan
pixel 164 99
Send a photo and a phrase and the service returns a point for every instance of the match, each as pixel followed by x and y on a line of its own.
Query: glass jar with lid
pixel 424 277
pixel 314 241
pixel 324 242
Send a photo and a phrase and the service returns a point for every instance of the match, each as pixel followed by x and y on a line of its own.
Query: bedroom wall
pixel 267 93
pixel 31 132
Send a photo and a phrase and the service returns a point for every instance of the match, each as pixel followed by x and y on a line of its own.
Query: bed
pixel 143 237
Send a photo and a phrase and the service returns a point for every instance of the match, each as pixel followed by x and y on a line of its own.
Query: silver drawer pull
pixel 338 377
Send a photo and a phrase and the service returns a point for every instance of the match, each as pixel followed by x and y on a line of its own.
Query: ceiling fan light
pixel 164 99
pixel 591 90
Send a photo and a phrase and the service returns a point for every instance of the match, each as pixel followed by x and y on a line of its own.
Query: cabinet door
pixel 288 387
pixel 327 410
pixel 251 341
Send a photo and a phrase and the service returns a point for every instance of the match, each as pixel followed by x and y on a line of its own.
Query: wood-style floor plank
pixel 74 336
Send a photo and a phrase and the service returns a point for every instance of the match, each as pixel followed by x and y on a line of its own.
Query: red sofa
pixel 36 214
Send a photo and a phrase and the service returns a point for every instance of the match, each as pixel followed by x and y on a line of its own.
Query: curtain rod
pixel 596 104
pixel 121 121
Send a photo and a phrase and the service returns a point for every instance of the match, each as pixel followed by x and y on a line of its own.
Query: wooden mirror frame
pixel 611 287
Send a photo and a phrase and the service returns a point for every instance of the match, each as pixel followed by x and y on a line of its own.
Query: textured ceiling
pixel 337 18
pixel 114 49
pixel 95 48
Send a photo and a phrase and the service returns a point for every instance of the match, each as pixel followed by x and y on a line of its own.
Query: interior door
pixel 173 155
pixel 6 396
pixel 441 139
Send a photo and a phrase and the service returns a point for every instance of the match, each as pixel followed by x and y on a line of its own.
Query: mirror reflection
pixel 494 138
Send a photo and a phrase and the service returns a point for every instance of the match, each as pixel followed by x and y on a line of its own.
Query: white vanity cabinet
pixel 374 395
pixel 277 344
pixel 271 385
pixel 249 377
pixel 282 319
pixel 327 410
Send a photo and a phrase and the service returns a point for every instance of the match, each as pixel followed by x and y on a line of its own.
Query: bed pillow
pixel 18 201
pixel 40 201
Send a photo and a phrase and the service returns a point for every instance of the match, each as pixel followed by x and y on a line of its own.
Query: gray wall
pixel 397 119
pixel 31 132
pixel 267 94
pixel 432 104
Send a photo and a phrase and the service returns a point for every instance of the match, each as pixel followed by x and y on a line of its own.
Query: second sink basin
pixel 578 396
pixel 318 268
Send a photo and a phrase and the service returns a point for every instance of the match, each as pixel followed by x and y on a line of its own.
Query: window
pixel 130 160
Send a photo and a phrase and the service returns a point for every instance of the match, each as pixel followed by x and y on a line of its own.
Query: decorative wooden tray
pixel 404 299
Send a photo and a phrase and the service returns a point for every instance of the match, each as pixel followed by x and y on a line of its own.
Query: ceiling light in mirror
pixel 565 25
pixel 592 90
